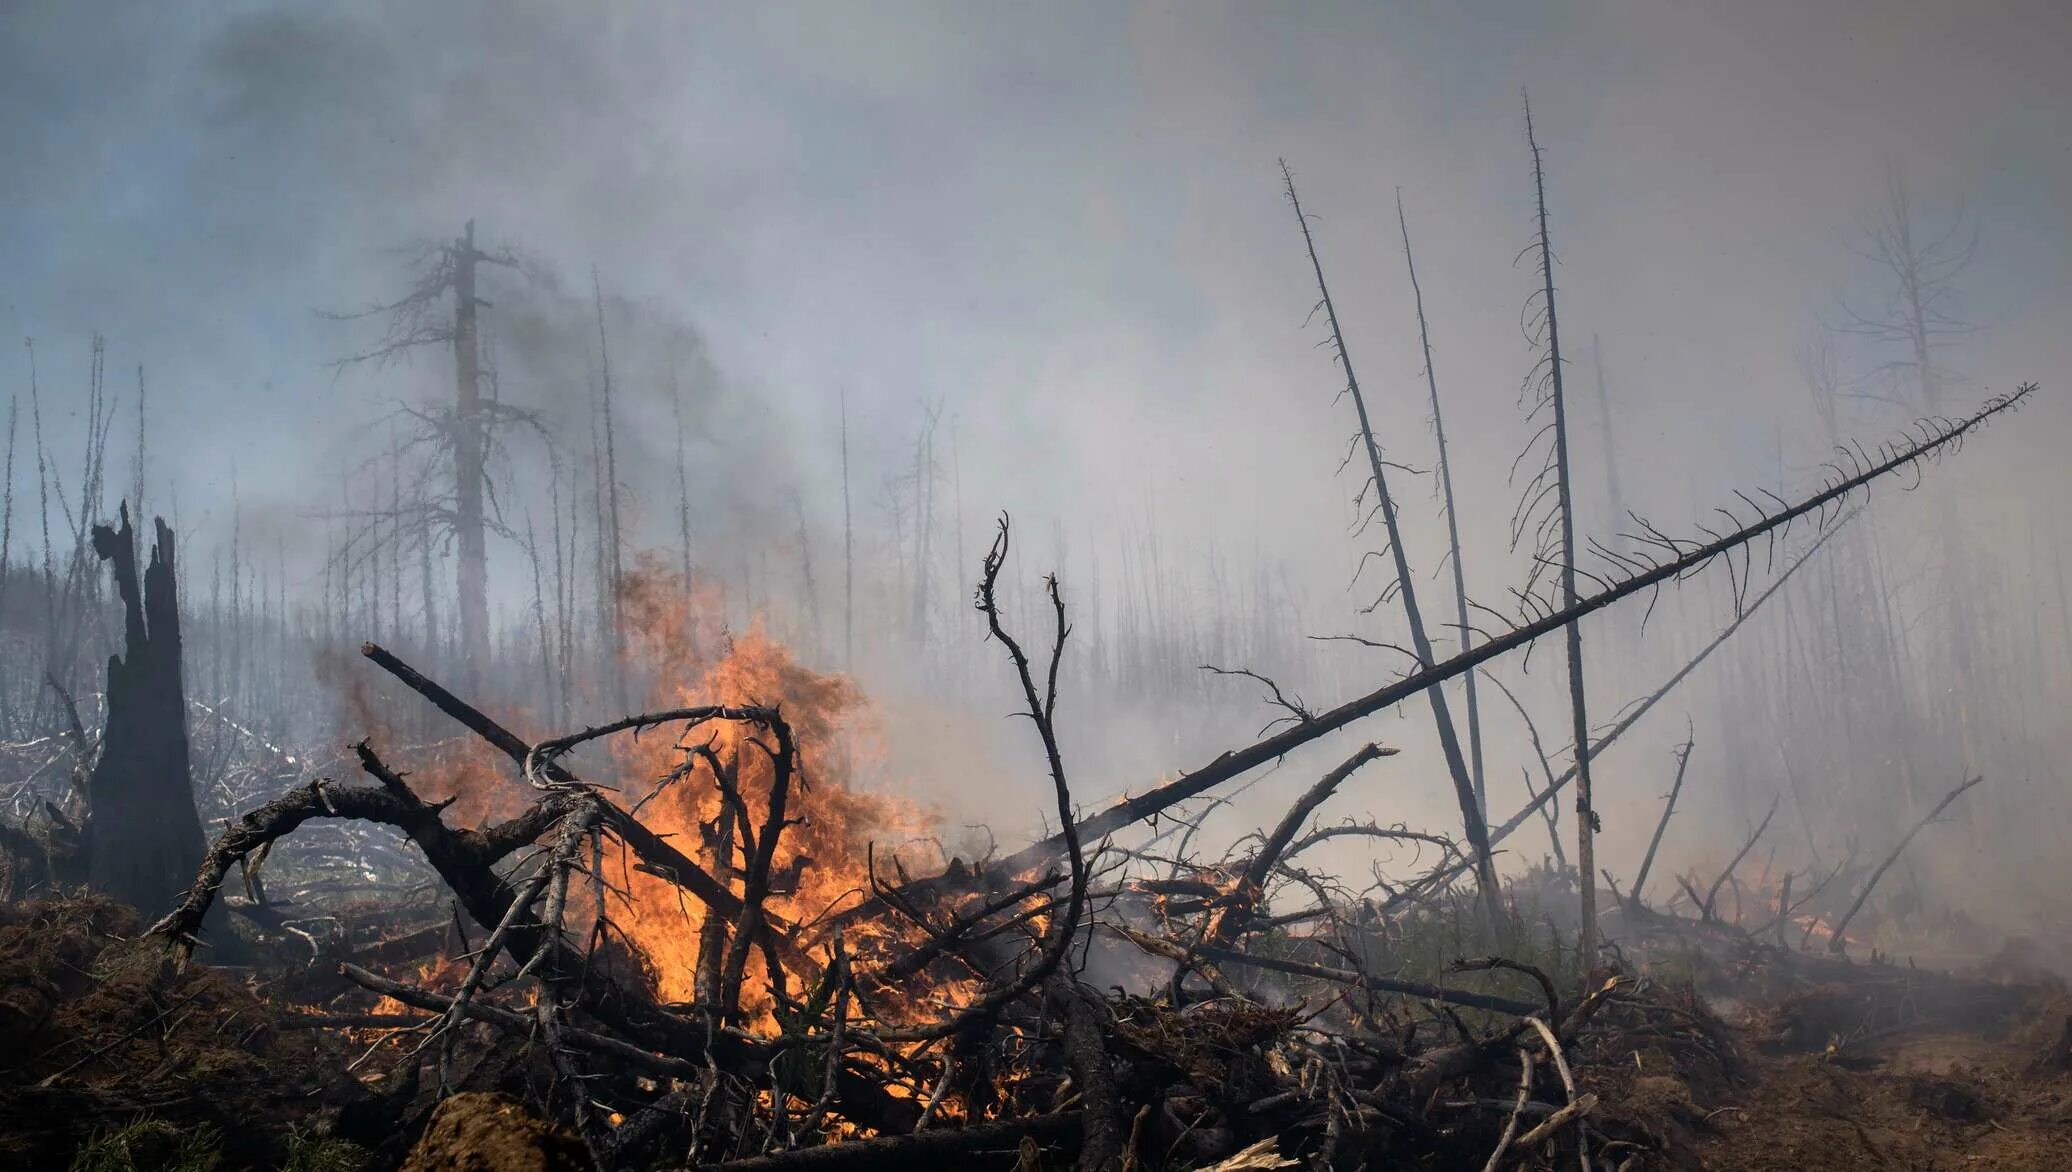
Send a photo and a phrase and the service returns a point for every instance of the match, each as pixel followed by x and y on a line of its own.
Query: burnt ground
pixel 110 1058
pixel 1866 1064
pixel 1932 1101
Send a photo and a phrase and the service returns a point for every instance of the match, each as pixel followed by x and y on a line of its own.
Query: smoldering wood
pixel 948 1148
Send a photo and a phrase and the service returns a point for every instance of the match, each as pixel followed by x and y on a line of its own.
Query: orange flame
pixel 676 636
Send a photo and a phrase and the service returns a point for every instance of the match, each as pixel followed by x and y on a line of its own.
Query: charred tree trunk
pixel 848 544
pixel 146 839
pixel 1586 812
pixel 468 472
pixel 1460 574
pixel 1472 821
pixel 683 480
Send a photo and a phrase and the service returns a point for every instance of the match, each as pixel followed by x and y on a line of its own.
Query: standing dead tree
pixel 144 838
pixel 1919 315
pixel 1546 376
pixel 611 532
pixel 1405 584
pixel 1460 574
pixel 464 435
pixel 1853 470
pixel 848 552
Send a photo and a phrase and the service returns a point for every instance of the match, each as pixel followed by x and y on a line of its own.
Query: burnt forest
pixel 1112 587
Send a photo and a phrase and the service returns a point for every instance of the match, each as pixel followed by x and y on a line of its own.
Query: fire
pixel 434 972
pixel 679 654
pixel 1804 922
pixel 821 863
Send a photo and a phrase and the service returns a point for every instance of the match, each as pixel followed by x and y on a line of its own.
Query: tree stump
pixel 144 836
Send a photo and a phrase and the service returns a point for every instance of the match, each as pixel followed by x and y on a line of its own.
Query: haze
pixel 1063 228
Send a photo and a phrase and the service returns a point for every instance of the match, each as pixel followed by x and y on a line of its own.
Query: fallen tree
pixel 942 1017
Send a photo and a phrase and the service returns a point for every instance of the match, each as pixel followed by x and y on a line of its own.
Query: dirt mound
pixel 478 1132
pixel 102 1040
pixel 1659 1061
pixel 1928 1095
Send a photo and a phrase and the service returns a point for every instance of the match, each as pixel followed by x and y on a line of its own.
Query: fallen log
pixel 1694 557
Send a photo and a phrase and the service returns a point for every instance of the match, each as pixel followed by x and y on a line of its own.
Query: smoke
pixel 1062 229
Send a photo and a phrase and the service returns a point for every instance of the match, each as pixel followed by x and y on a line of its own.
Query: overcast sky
pixel 1064 221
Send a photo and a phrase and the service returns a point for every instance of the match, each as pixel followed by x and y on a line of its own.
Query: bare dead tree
pixel 137 479
pixel 1405 583
pixel 415 320
pixel 1539 749
pixel 1681 557
pixel 1460 577
pixel 1550 370
pixel 1615 498
pixel 7 510
pixel 614 535
pixel 1919 314
pixel 683 478
pixel 807 584
pixel 848 552
pixel 922 481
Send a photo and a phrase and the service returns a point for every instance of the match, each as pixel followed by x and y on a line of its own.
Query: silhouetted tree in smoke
pixel 465 434
pixel 1404 585
pixel 1445 468
pixel 1917 315
pixel 1555 543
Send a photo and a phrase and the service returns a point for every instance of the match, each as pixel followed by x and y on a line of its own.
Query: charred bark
pixel 144 837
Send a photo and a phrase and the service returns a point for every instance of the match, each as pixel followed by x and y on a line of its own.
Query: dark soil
pixel 98 1031
pixel 1837 1069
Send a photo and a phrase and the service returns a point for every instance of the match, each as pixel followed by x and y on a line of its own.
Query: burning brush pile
pixel 673 941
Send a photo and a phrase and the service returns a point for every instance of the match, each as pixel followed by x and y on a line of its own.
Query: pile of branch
pixel 944 1018
pixel 938 1025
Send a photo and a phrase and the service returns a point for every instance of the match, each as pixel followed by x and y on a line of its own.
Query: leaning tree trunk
pixel 146 839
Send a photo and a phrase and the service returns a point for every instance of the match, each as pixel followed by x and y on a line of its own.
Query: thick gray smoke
pixel 1058 233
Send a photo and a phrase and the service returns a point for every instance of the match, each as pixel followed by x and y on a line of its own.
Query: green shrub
pixel 150 1145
